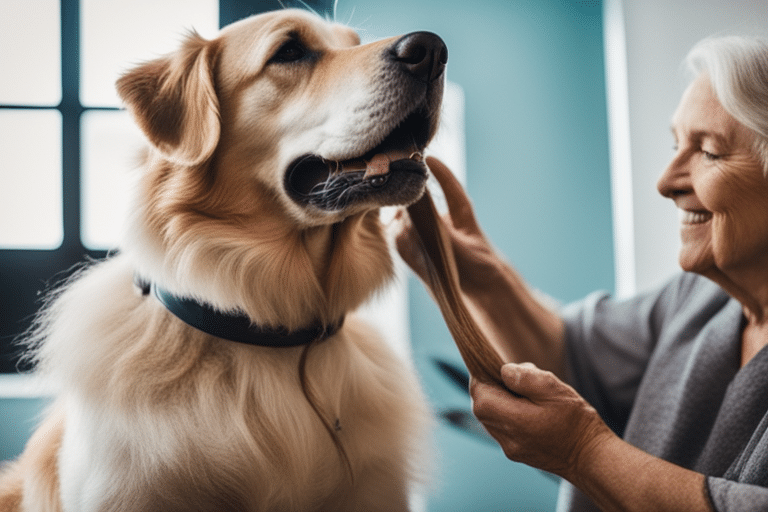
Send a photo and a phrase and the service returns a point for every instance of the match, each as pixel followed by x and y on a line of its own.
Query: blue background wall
pixel 18 419
pixel 538 171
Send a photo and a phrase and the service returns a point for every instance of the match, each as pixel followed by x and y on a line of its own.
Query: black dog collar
pixel 236 327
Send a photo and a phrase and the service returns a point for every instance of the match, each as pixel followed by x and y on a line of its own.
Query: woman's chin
pixel 697 262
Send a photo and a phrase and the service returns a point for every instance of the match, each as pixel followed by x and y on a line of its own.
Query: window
pixel 66 153
pixel 30 182
pixel 113 36
pixel 30 178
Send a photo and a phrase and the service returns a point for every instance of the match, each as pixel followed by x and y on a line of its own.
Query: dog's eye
pixel 291 51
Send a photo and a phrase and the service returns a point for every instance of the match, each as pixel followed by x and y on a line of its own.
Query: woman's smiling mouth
pixel 693 217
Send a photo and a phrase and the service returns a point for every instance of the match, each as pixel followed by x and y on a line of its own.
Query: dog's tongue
pixel 378 165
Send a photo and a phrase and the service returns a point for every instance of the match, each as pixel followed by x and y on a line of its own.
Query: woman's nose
pixel 675 180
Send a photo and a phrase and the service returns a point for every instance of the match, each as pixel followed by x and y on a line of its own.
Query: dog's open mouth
pixel 394 171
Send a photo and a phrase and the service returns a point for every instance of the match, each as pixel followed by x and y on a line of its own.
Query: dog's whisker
pixel 333 12
pixel 341 197
pixel 309 8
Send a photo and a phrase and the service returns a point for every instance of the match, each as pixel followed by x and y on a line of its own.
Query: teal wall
pixel 538 171
pixel 18 419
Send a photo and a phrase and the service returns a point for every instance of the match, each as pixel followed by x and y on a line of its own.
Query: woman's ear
pixel 174 102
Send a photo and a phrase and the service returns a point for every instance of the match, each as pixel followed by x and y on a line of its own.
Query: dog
pixel 215 362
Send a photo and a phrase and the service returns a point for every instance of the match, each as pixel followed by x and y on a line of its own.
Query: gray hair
pixel 737 67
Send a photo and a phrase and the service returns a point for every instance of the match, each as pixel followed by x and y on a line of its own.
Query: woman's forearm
pixel 619 477
pixel 516 322
pixel 546 424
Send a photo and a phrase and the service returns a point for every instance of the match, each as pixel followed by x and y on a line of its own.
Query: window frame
pixel 26 274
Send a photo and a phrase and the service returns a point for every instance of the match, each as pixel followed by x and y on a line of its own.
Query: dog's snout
pixel 423 54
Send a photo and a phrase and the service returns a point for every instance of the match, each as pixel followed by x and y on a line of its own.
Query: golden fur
pixel 152 414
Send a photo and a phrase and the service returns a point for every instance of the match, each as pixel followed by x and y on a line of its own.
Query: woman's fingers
pixel 547 427
pixel 529 381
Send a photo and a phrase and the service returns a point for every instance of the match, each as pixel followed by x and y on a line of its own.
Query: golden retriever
pixel 214 364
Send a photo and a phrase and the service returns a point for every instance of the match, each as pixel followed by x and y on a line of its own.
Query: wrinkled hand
pixel 473 253
pixel 549 426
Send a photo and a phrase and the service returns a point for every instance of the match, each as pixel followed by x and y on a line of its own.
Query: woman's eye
pixel 710 156
pixel 291 51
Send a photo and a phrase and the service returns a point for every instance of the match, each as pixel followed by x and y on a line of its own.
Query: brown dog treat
pixel 482 360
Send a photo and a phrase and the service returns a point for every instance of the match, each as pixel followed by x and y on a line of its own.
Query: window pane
pixel 30 52
pixel 110 157
pixel 117 35
pixel 30 179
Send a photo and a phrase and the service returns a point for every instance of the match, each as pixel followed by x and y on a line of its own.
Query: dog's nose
pixel 423 54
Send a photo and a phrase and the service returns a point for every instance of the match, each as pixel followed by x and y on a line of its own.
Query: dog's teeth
pixel 352 165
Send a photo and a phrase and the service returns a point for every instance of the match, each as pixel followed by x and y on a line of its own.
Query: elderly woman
pixel 667 407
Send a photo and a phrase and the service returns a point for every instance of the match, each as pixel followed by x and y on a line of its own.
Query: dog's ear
pixel 174 102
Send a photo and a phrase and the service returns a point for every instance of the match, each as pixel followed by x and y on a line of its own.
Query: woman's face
pixel 717 182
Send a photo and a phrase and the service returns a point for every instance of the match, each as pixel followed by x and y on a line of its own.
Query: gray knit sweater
pixel 662 369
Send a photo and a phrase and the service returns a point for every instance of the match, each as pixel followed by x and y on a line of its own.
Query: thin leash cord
pixel 482 360
pixel 309 394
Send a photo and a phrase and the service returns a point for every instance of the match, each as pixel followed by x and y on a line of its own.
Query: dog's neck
pixel 319 245
pixel 289 279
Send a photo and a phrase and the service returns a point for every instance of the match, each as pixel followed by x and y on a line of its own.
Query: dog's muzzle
pixel 393 172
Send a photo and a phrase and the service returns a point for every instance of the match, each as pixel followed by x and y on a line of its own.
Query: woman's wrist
pixel 620 477
pixel 516 323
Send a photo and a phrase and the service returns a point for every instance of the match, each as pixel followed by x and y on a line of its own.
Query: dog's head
pixel 296 106
pixel 272 147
